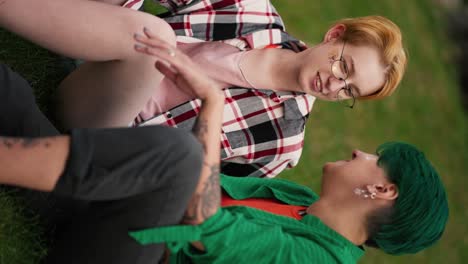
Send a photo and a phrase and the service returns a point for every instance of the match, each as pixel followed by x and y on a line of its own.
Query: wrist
pixel 216 96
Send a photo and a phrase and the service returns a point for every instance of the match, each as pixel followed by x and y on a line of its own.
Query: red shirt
pixel 269 205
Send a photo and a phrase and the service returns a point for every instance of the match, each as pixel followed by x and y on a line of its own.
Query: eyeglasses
pixel 340 71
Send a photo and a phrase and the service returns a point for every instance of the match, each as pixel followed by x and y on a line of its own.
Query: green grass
pixel 425 111
pixel 43 70
pixel 20 237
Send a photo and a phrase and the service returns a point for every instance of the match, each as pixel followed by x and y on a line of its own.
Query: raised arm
pixel 185 74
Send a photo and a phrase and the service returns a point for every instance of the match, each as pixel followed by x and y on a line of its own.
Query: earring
pixel 364 193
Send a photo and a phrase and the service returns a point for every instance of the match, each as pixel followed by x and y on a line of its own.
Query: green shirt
pixel 240 234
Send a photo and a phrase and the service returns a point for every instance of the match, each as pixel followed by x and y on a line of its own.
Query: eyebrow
pixel 351 60
pixel 352 71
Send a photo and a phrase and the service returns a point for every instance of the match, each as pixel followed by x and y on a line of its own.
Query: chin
pixel 327 166
pixel 330 165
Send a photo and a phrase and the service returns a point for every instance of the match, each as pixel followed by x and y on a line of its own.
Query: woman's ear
pixel 334 33
pixel 387 191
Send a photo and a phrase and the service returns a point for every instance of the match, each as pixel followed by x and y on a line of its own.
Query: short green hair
pixel 420 212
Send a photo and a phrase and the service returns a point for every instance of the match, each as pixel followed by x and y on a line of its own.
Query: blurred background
pixel 430 110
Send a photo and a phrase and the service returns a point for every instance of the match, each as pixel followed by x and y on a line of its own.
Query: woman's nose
pixel 335 84
pixel 356 153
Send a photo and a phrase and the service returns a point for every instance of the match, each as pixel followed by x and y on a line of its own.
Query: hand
pixel 177 67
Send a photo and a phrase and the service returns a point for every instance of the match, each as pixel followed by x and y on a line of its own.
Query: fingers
pixel 153 51
pixel 156 47
pixel 175 65
pixel 148 33
pixel 151 40
pixel 166 70
pixel 151 36
pixel 149 47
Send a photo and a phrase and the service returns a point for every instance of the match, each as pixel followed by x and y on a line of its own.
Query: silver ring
pixel 171 52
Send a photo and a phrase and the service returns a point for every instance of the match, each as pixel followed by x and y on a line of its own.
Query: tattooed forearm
pixel 10 142
pixel 206 200
pixel 200 129
pixel 204 203
pixel 191 212
pixel 33 142
pixel 211 196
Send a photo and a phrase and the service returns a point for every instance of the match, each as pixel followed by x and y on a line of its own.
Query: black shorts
pixel 19 113
pixel 115 180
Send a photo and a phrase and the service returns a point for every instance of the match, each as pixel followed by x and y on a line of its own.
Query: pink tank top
pixel 219 60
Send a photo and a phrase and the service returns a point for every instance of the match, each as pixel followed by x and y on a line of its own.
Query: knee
pixel 188 152
pixel 178 150
pixel 184 153
pixel 15 92
pixel 156 25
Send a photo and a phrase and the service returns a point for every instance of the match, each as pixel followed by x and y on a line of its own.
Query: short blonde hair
pixel 385 35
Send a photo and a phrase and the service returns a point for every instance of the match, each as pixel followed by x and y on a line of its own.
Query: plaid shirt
pixel 263 130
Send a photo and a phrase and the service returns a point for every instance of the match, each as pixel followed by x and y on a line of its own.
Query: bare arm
pixel 35 163
pixel 207 197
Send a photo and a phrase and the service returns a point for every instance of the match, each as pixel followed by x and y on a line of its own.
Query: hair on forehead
pixel 383 34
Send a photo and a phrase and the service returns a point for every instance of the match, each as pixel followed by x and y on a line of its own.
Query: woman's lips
pixel 317 83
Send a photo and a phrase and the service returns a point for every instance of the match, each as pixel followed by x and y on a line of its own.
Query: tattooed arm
pixel 35 163
pixel 187 76
pixel 207 197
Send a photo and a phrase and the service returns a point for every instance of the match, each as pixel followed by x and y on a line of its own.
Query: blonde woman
pixel 270 79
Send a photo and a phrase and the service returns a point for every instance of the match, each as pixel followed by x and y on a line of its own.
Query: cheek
pixel 373 86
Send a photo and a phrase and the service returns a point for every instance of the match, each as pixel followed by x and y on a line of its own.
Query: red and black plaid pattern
pixel 263 130
pixel 255 22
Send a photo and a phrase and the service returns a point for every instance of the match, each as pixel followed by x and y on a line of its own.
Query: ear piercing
pixel 364 193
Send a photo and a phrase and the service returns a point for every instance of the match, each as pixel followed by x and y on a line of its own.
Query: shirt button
pixel 169 115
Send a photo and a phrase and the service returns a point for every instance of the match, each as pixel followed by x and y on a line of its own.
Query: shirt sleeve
pixel 234 238
pixel 178 6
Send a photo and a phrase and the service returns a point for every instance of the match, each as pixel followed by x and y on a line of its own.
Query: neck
pixel 346 221
pixel 275 69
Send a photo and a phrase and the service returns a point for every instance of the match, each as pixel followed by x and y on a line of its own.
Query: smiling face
pixel 366 73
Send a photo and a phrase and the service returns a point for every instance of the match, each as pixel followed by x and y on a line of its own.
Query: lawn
pixel 425 111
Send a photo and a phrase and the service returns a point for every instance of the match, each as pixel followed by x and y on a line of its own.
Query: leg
pixel 21 117
pixel 100 235
pixel 110 164
pixel 111 89
pixel 19 113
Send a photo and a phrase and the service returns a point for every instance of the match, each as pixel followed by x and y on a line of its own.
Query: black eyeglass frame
pixel 346 88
